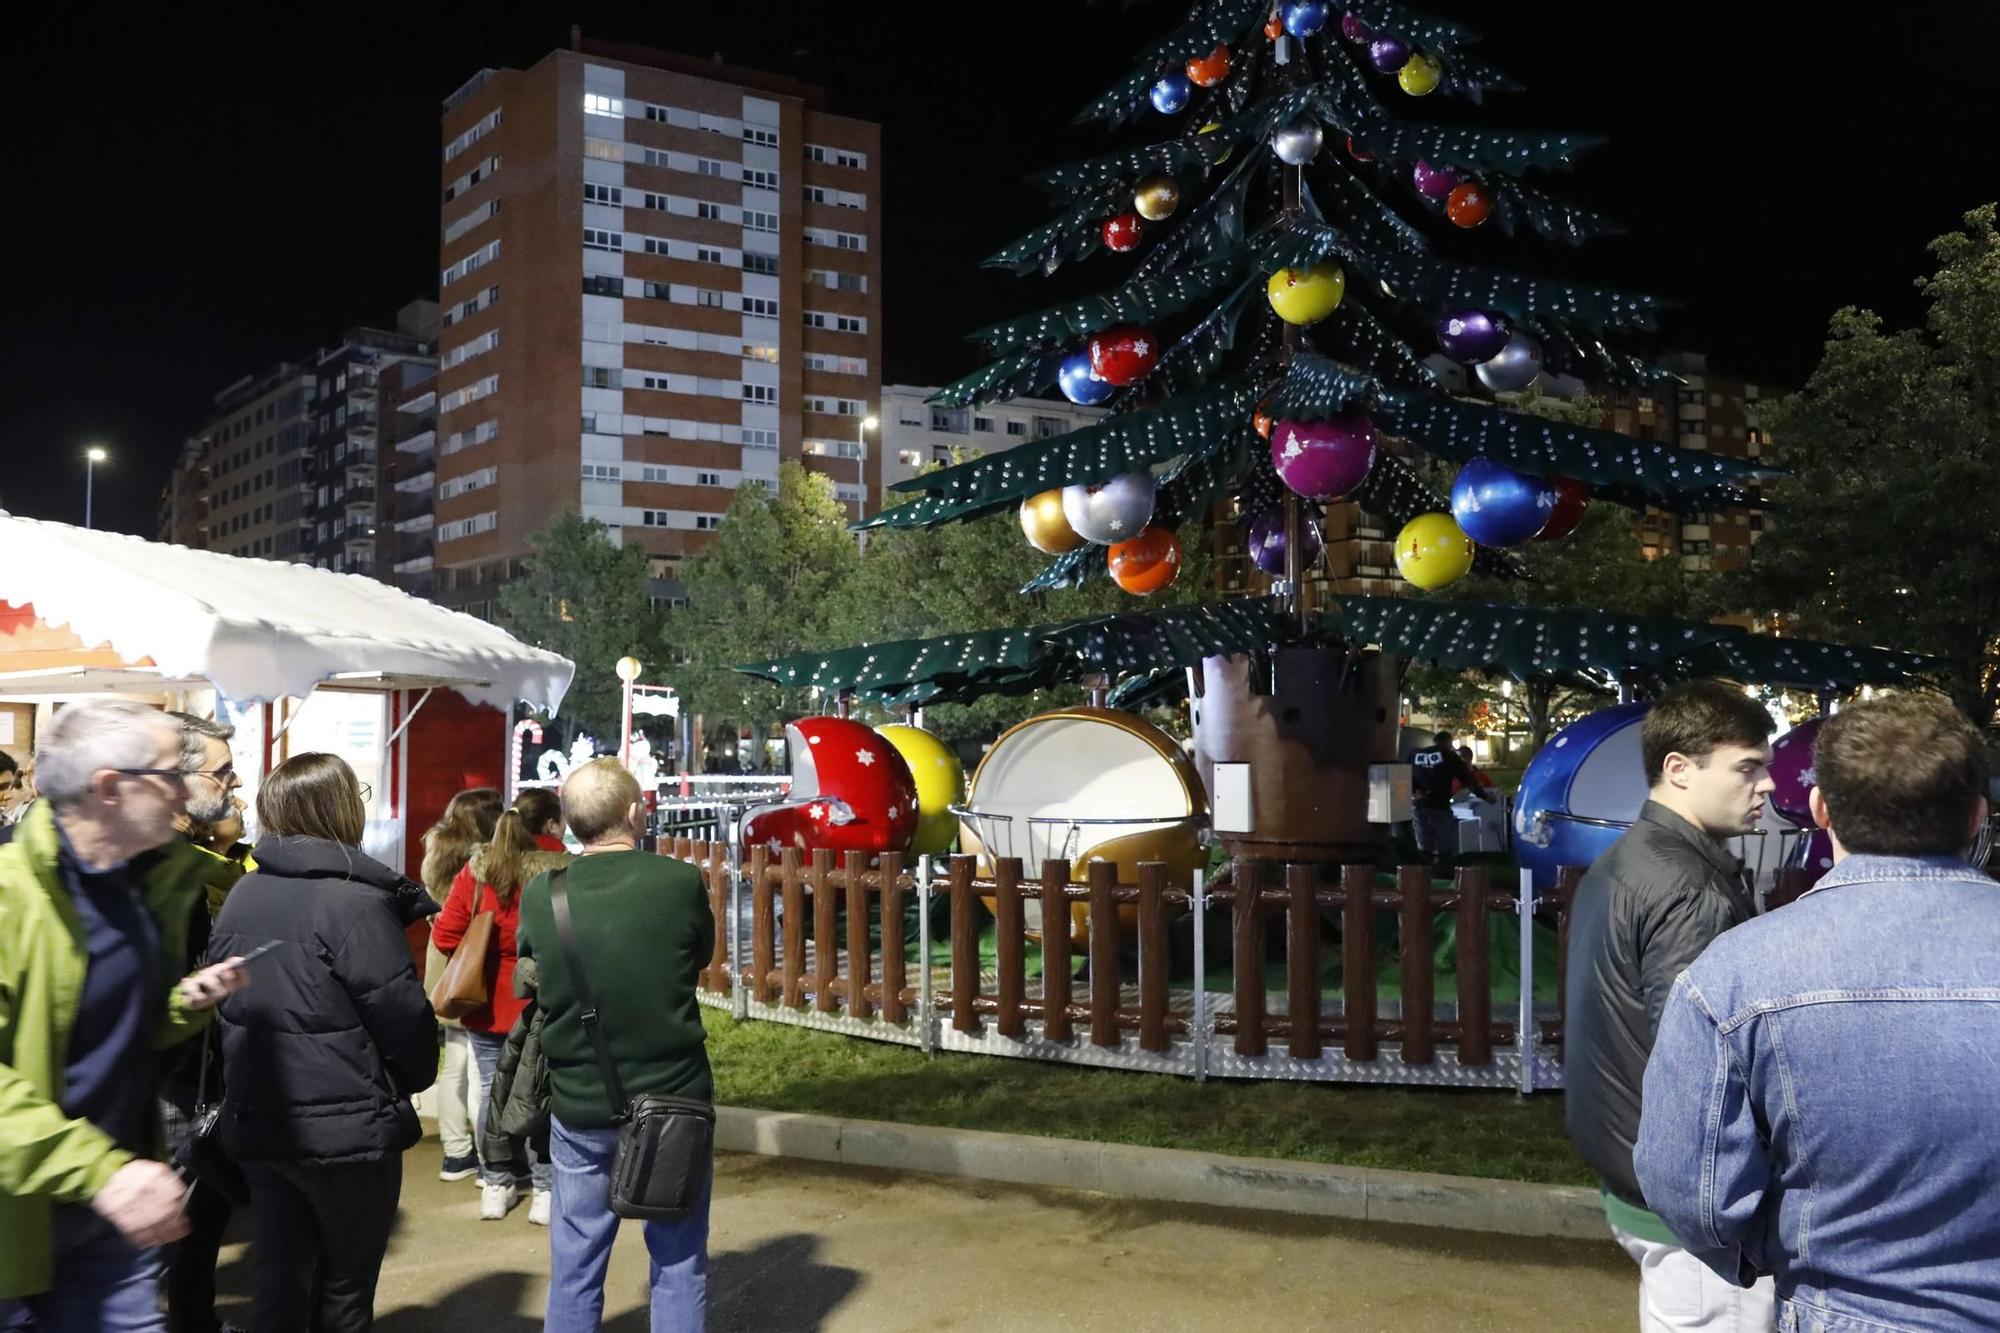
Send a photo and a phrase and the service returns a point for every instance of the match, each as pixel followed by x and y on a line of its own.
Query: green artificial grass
pixel 1466 1132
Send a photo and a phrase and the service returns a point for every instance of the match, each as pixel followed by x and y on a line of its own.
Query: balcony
pixel 423 402
pixel 423 442
pixel 421 522
pixel 421 483
pixel 411 507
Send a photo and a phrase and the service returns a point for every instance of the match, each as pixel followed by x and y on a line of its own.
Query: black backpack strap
pixel 573 956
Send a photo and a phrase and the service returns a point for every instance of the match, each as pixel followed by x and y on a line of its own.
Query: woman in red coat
pixel 523 846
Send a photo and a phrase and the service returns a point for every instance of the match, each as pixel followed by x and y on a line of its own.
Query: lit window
pixel 597 104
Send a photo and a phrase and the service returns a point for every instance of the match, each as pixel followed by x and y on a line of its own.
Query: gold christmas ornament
pixel 1156 198
pixel 1048 531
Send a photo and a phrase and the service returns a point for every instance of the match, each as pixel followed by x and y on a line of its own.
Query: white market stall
pixel 417 698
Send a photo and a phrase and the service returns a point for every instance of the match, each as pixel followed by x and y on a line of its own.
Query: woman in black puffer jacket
pixel 323 1050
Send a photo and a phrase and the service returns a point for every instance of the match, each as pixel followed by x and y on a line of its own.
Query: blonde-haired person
pixel 323 1052
pixel 644 925
pixel 491 882
pixel 465 827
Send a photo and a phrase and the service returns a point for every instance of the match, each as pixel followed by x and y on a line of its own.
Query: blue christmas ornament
pixel 1497 506
pixel 1304 18
pixel 1079 384
pixel 1171 93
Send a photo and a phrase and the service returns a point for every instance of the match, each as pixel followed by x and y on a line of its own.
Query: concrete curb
pixel 1361 1194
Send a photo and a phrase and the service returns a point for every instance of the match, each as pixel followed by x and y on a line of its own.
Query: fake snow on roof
pixel 260 629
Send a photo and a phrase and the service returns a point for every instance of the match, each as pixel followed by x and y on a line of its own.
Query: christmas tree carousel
pixel 1283 256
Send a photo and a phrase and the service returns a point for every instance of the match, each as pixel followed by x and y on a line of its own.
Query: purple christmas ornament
pixel 1389 54
pixel 1353 29
pixel 1267 543
pixel 1792 772
pixel 1435 182
pixel 1324 460
pixel 1497 506
pixel 1471 336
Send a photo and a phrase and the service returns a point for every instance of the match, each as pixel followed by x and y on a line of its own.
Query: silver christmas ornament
pixel 1112 511
pixel 1299 142
pixel 1519 362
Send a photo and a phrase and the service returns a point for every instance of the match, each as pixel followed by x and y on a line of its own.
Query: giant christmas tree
pixel 1283 256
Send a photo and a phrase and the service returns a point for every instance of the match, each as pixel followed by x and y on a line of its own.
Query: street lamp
pixel 91 458
pixel 861 477
pixel 628 669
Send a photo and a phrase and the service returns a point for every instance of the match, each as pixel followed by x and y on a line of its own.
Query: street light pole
pixel 628 669
pixel 91 458
pixel 861 476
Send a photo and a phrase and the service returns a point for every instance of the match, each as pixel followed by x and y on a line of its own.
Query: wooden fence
pixel 861 979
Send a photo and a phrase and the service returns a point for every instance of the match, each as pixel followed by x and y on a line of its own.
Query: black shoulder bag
pixel 200 1157
pixel 666 1145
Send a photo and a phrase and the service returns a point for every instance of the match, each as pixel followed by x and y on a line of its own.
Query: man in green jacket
pixel 92 939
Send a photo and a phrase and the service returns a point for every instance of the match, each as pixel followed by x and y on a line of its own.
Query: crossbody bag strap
pixel 573 956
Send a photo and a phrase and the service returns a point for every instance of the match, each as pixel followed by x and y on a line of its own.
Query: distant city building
pixel 917 433
pixel 659 276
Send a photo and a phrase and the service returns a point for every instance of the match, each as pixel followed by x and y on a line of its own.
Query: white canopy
pixel 260 629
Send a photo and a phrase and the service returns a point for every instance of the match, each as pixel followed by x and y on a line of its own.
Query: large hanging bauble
pixel 1515 368
pixel 1146 564
pixel 1043 522
pixel 1469 205
pixel 1267 543
pixel 1497 506
pixel 1421 76
pixel 1307 295
pixel 940 785
pixel 1304 18
pixel 1572 502
pixel 1434 182
pixel 1432 551
pixel 1122 233
pixel 1156 198
pixel 1211 69
pixel 1388 54
pixel 1111 511
pixel 1298 142
pixel 1472 336
pixel 1170 95
pixel 1354 28
pixel 1226 153
pixel 1079 384
pixel 1324 460
pixel 1123 354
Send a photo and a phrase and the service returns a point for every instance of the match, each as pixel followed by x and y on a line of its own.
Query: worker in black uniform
pixel 1433 770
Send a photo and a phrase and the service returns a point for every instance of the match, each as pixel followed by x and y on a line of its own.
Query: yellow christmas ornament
pixel 1211 128
pixel 1432 551
pixel 1421 76
pixel 940 785
pixel 1048 531
pixel 1307 295
pixel 1156 198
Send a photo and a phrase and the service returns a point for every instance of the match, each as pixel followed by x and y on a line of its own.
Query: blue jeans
pixel 486 1054
pixel 582 1227
pixel 102 1284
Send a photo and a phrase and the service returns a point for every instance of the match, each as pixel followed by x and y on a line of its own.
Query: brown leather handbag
pixel 462 988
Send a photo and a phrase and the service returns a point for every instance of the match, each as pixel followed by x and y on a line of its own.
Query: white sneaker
pixel 496 1201
pixel 538 1209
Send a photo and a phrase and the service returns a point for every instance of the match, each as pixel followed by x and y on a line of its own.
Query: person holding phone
pixel 322 1054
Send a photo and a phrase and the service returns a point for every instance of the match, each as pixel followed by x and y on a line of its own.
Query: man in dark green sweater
pixel 645 931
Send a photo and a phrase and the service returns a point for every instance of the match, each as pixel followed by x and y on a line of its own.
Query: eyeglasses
pixel 223 774
pixel 367 793
pixel 180 776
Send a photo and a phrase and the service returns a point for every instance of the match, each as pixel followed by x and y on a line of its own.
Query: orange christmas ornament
pixel 1469 205
pixel 1211 69
pixel 1146 564
pixel 1262 421
pixel 1274 26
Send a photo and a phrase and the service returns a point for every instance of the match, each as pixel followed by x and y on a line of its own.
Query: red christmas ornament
pixel 1469 205
pixel 1274 26
pixel 1149 562
pixel 1122 233
pixel 1211 69
pixel 851 792
pixel 1359 154
pixel 1123 355
pixel 1572 498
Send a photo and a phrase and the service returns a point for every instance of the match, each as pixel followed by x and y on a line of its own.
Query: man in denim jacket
pixel 1822 1097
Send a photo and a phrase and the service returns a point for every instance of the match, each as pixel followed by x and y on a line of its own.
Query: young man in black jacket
pixel 1646 910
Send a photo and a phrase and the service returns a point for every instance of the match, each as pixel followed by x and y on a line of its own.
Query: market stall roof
pixel 256 629
pixel 1144 648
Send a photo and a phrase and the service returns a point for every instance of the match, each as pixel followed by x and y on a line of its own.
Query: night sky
pixel 201 190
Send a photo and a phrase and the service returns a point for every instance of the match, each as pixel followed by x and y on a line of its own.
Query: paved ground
pixel 797 1246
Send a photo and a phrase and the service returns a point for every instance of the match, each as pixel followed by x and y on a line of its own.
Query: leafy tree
pixel 589 600
pixel 1887 529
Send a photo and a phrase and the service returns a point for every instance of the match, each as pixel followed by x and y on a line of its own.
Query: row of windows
pixel 836 157
pixel 465 439
pixel 663 518
pixel 471 178
pixel 471 481
pixel 466 527
pixel 820 194
pixel 471 393
pixel 841 407
pixel 484 255
pixel 472 136
pixel 960 421
pixel 837 240
pixel 465 224
pixel 822 319
pixel 612 423
pixel 468 308
pixel 644 472
pixel 837 365
pixel 464 352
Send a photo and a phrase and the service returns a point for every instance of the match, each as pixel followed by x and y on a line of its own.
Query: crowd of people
pixel 1790 1110
pixel 189 1025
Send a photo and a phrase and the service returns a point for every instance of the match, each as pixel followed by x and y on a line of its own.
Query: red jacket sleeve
pixel 449 926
